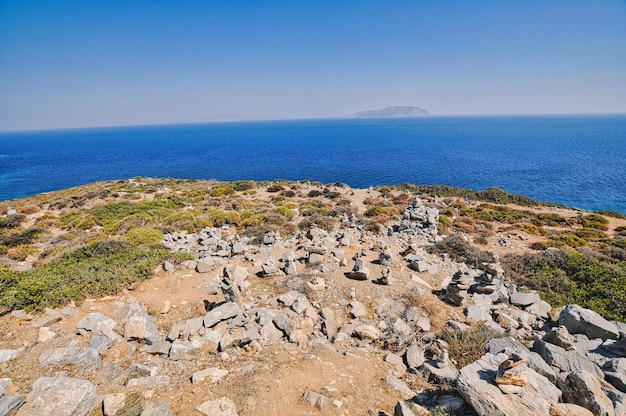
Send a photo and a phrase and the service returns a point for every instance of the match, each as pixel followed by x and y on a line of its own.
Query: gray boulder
pixel 221 313
pixel 7 402
pixel 138 324
pixel 414 358
pixel 564 360
pixel 585 390
pixel 7 355
pixel 524 298
pixel 476 383
pixel 59 396
pixel 97 323
pixel 78 356
pixel 400 386
pixel 579 320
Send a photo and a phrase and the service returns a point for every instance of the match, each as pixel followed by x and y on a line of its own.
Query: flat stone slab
pixel 218 407
pixel 579 320
pixel 78 356
pixel 221 313
pixel 7 355
pixel 476 383
pixel 59 396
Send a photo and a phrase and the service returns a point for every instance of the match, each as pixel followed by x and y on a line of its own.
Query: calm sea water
pixel 575 160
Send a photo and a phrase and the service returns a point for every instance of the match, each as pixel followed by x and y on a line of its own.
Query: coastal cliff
pixel 163 296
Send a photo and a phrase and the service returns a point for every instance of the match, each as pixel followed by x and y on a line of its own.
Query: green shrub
pixel 221 190
pixel 98 269
pixel 27 236
pixel 144 236
pixel 613 214
pixel 594 221
pixel 275 188
pixel 21 253
pixel 563 277
pixel 241 186
pixel 107 215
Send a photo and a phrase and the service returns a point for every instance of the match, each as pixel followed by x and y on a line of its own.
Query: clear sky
pixel 94 63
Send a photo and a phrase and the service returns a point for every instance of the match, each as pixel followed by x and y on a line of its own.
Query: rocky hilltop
pixel 392 112
pixel 160 297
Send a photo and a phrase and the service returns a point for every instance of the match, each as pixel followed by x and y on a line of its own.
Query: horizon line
pixel 270 118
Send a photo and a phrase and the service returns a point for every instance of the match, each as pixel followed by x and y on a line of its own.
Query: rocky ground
pixel 341 322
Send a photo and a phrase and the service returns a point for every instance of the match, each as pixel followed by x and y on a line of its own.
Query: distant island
pixel 392 112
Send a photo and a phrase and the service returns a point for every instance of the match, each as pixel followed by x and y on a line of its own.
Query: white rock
pixel 218 407
pixel 214 374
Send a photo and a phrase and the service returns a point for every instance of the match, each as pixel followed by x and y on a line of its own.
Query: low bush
pixel 12 221
pixel 144 236
pixel 563 277
pixel 221 190
pixel 594 221
pixel 98 269
pixel 275 188
pixel 27 236
pixel 21 253
pixel 613 214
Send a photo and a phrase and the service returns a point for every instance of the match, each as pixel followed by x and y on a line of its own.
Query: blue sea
pixel 573 160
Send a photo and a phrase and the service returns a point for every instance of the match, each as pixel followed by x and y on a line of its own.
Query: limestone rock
pixel 329 322
pixel 78 356
pixel 359 271
pixel 540 308
pixel 509 345
pixel 138 324
pixel 409 409
pixel 113 403
pixel 156 409
pixel 414 357
pixel 579 320
pixel 214 374
pixel 218 407
pixel 615 373
pixel 476 383
pixel 316 400
pixel 221 313
pixel 51 316
pixel 148 381
pixel 205 265
pixel 559 336
pixel 400 386
pixel 564 360
pixel 524 299
pixel 478 313
pixel 358 309
pixel 7 355
pixel 585 390
pixel 569 409
pixel 367 332
pixel 97 323
pixel 59 396
pixel 7 402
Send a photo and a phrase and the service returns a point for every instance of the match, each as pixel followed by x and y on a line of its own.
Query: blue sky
pixel 95 63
